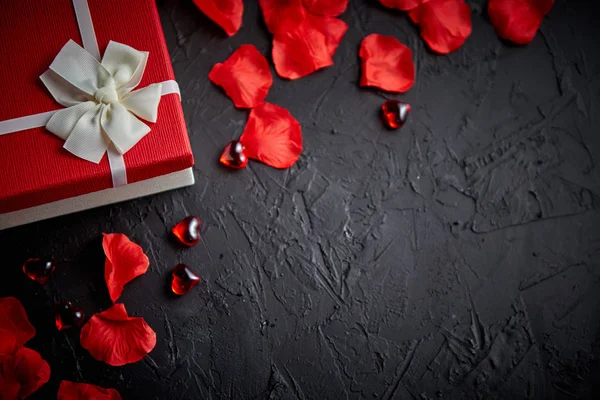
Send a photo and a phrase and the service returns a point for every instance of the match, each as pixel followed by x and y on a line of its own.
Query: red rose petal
pixel 332 28
pixel 9 387
pixel 331 8
pixel 29 370
pixel 16 329
pixel 117 339
pixel 300 52
pixel 518 20
pixel 272 136
pixel 125 260
pixel 386 64
pixel 445 24
pixel 307 48
pixel 282 15
pixel 225 13
pixel 245 76
pixel 85 391
pixel 8 342
pixel 402 5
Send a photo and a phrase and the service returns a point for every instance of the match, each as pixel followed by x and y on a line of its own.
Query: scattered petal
pixel 245 76
pixel 331 8
pixel 9 387
pixel 125 260
pixel 332 28
pixel 386 63
pixel 309 47
pixel 282 15
pixel 85 391
pixel 402 5
pixel 445 24
pixel 117 339
pixel 300 52
pixel 225 13
pixel 8 342
pixel 22 373
pixel 518 20
pixel 272 136
pixel 16 329
pixel 31 370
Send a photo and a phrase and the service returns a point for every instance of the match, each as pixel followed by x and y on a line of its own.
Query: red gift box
pixel 35 169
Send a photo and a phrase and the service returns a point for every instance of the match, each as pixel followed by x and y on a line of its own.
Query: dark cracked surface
pixel 457 258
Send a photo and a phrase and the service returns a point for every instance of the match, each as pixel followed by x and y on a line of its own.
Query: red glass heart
pixel 234 155
pixel 187 231
pixel 39 269
pixel 395 113
pixel 66 315
pixel 183 279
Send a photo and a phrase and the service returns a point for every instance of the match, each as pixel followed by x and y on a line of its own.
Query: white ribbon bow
pixel 99 99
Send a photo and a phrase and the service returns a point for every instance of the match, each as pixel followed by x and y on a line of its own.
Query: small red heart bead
pixel 183 279
pixel 187 231
pixel 394 113
pixel 39 269
pixel 66 315
pixel 234 156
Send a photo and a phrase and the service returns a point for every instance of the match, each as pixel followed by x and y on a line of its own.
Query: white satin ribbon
pixel 41 119
pixel 99 99
pixel 101 105
pixel 86 27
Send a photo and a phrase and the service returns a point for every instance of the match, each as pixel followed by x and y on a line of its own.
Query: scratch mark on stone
pixel 292 383
pixel 150 363
pixel 524 287
pixel 401 370
pixel 77 366
pixel 173 350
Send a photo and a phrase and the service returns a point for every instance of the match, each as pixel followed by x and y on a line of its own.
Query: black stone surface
pixel 457 258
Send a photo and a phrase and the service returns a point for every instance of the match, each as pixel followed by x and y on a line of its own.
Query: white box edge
pixel 87 201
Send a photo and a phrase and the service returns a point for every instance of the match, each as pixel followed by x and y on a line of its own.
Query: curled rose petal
pixel 402 5
pixel 22 373
pixel 307 48
pixel 16 329
pixel 245 76
pixel 518 20
pixel 125 260
pixel 331 8
pixel 445 24
pixel 386 64
pixel 225 13
pixel 117 339
pixel 282 15
pixel 272 136
pixel 85 391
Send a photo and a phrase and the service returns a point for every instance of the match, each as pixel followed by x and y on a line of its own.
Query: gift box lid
pixel 34 167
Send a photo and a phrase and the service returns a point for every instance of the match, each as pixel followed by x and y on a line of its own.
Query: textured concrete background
pixel 456 258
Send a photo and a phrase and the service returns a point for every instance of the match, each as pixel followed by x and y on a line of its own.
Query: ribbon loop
pixel 79 68
pixel 138 102
pixel 125 64
pixel 86 139
pixel 101 107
